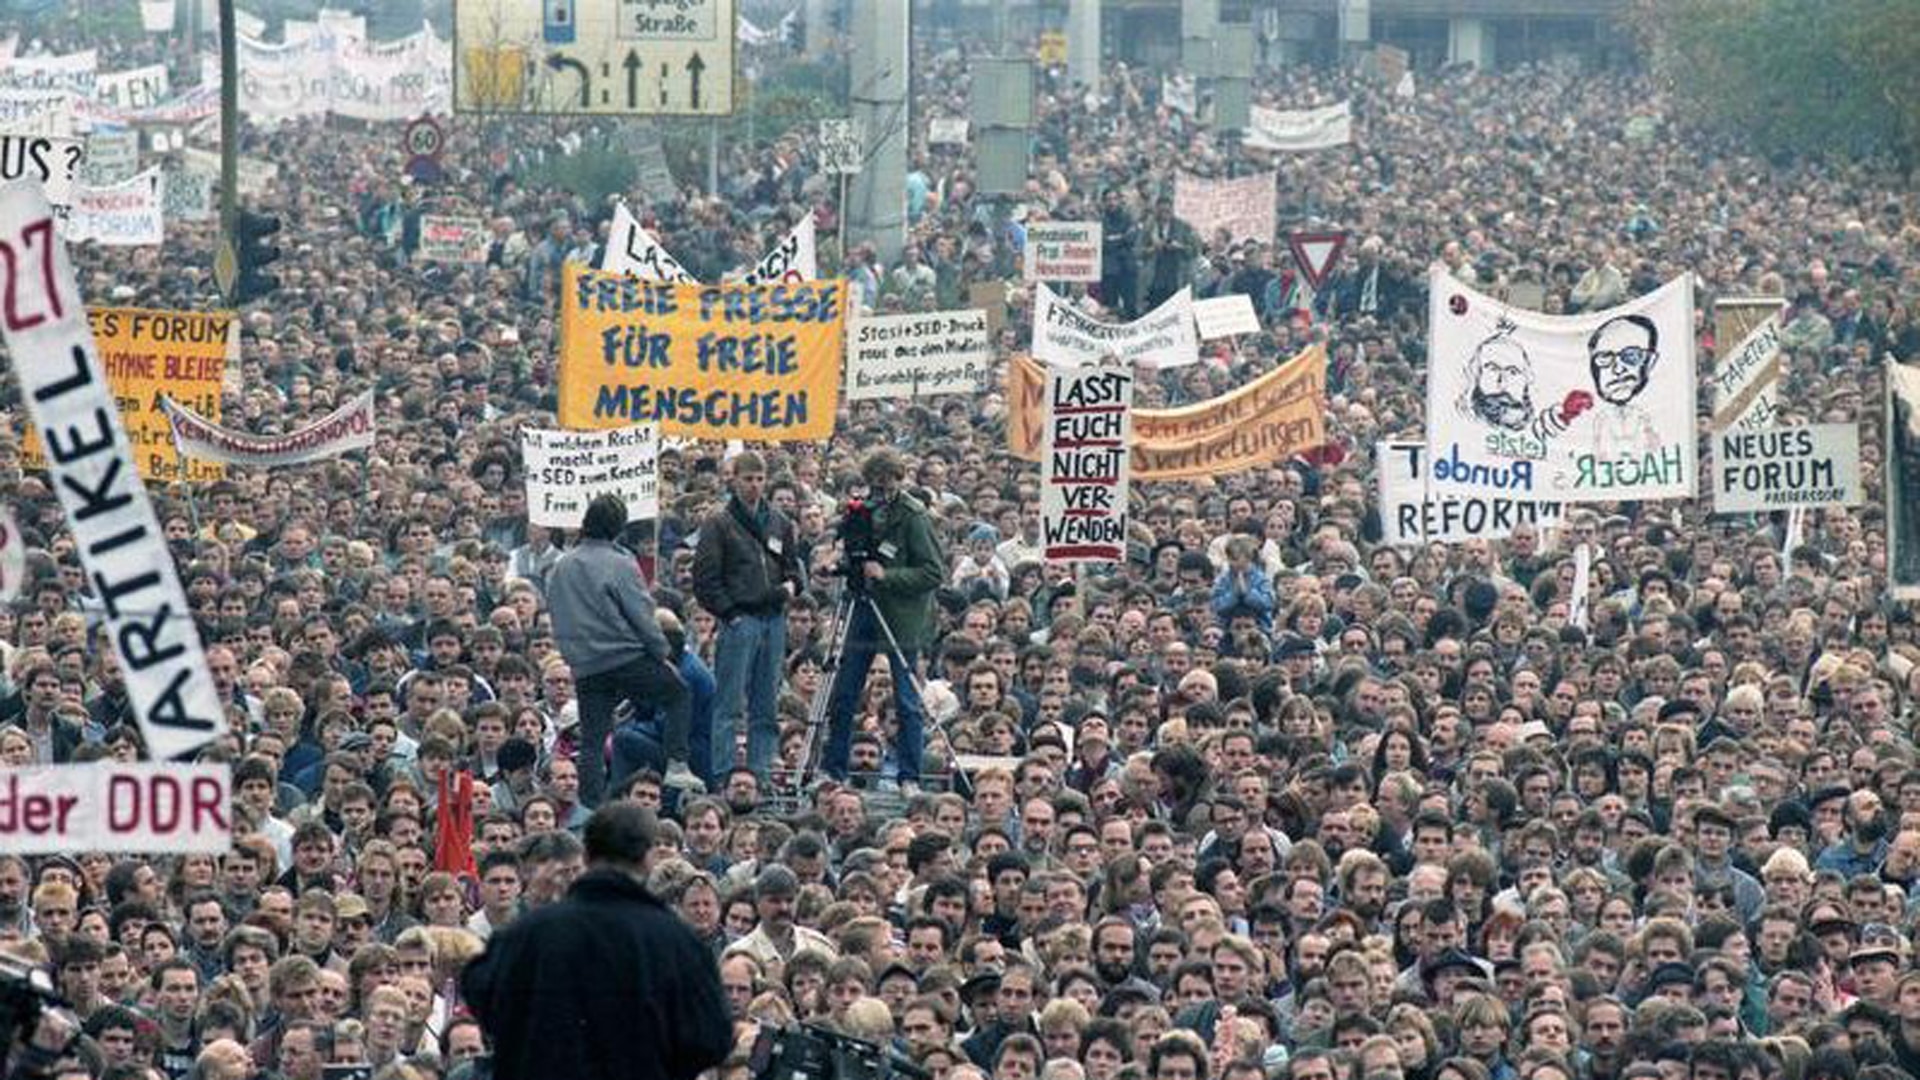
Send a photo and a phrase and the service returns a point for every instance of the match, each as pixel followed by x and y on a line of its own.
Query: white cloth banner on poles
pixel 135 807
pixel 1063 335
pixel 135 88
pixel 73 73
pixel 129 214
pixel 1298 129
pixel 332 68
pixel 1597 407
pixel 566 470
pixel 631 249
pixel 1084 464
pixel 347 428
pixel 54 113
pixel 91 466
pixel 1245 206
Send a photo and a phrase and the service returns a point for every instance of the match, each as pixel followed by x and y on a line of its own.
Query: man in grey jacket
pixel 603 622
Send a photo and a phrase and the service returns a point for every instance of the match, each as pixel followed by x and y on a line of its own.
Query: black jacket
pixel 606 985
pixel 736 569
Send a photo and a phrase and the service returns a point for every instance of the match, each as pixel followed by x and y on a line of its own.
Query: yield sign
pixel 1315 253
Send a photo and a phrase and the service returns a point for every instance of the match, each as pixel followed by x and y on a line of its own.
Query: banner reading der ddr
pixel 751 362
pixel 150 355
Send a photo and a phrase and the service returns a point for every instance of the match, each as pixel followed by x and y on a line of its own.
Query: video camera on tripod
pixel 811 1052
pixel 36 1027
pixel 859 543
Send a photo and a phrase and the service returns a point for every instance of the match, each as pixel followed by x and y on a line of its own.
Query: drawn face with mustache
pixel 1502 392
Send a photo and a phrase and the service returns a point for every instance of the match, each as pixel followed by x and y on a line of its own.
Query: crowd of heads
pixel 1390 815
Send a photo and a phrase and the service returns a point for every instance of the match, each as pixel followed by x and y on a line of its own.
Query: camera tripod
pixel 851 598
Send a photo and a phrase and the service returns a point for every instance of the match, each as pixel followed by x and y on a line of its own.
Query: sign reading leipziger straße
pixel 90 464
pixel 1781 468
pixel 133 807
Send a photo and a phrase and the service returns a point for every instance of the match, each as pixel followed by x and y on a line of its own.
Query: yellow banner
pixel 1275 416
pixel 752 362
pixel 147 354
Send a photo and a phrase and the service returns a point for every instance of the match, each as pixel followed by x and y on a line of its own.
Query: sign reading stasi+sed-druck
pixel 619 57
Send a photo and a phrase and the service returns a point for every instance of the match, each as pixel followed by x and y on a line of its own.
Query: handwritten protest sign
pixel 40 112
pixel 1783 468
pixel 1244 207
pixel 702 361
pixel 566 470
pixel 347 428
pixel 1083 487
pixel 148 355
pixel 1747 370
pixel 1299 129
pixel 1273 417
pixel 137 88
pixel 1410 514
pixel 187 196
pixel 1063 251
pixel 1225 316
pixel 1164 337
pixel 120 215
pixel 54 163
pixel 454 239
pixel 112 156
pixel 906 356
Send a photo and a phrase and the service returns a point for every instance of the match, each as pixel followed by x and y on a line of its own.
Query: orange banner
pixel 1275 416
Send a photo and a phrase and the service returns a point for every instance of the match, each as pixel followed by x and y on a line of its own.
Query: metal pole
pixel 713 158
pixel 229 145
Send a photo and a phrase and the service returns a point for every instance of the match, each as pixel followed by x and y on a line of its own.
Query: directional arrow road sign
pixel 606 57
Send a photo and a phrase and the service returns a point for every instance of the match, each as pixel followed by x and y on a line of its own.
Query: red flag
pixel 453 833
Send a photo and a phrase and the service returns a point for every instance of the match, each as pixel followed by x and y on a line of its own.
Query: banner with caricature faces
pixel 1597 407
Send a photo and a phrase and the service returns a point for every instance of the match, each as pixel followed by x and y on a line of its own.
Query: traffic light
pixel 254 255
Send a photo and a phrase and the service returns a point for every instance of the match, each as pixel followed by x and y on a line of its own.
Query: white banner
pixel 156 16
pixel 1063 335
pixel 73 73
pixel 1180 93
pixel 1597 407
pixel 1409 514
pixel 53 163
pixel 1903 480
pixel 1746 380
pixel 90 464
pixel 131 214
pixel 631 249
pixel 345 429
pixel 13 556
pixel 947 131
pixel 254 175
pixel 112 156
pixel 138 808
pixel 1083 464
pixel 1244 206
pixel 40 112
pixel 454 239
pixel 566 470
pixel 841 146
pixel 330 67
pixel 1781 468
pixel 139 88
pixel 1063 251
pixel 1225 316
pixel 908 356
pixel 188 196
pixel 1298 129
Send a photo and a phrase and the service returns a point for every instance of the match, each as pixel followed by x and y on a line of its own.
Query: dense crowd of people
pixel 1272 799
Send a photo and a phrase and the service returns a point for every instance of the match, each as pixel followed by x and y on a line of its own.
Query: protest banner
pixel 112 156
pixel 566 470
pixel 1225 316
pixel 1063 251
pixel 54 163
pixel 347 428
pixel 454 239
pixel 130 214
pixel 1411 514
pixel 254 175
pixel 40 112
pixel 1275 416
pixel 947 131
pixel 703 361
pixel 1244 207
pixel 122 549
pixel 138 88
pixel 1083 483
pixel 331 67
pixel 1162 338
pixel 187 196
pixel 631 249
pixel 1597 407
pixel 141 808
pixel 1180 93
pixel 13 556
pixel 1903 480
pixel 73 73
pixel 149 355
pixel 908 356
pixel 1786 468
pixel 1747 368
pixel 1297 130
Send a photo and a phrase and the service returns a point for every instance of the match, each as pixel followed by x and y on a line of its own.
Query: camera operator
pixel 900 572
pixel 604 623
pixel 744 572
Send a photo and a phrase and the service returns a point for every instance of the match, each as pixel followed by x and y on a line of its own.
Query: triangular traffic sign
pixel 1315 253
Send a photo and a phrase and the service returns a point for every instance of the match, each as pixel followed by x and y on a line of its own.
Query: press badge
pixel 887 550
pixel 774 545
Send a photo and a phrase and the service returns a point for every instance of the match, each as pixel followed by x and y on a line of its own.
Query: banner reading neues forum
pixel 752 362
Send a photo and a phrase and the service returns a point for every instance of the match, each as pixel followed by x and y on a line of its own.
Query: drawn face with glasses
pixel 1622 353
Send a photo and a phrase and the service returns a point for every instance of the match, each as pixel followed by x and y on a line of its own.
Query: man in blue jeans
pixel 899 572
pixel 744 572
pixel 604 624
